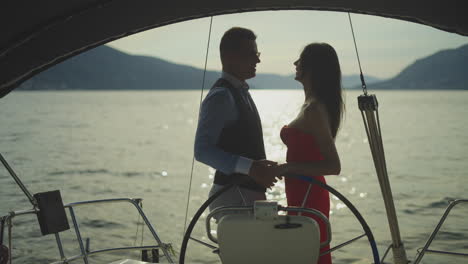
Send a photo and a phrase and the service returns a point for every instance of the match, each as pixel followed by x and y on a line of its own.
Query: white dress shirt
pixel 219 110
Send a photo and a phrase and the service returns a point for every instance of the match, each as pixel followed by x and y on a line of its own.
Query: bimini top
pixel 36 35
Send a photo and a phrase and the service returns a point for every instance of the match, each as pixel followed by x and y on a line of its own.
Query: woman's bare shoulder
pixel 316 118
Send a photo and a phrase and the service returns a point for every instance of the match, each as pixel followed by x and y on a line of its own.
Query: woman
pixel 310 137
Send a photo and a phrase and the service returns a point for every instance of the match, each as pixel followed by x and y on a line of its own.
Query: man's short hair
pixel 232 39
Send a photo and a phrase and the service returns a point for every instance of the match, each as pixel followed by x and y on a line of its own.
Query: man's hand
pixel 264 172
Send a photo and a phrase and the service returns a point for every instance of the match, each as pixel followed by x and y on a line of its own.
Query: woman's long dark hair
pixel 321 62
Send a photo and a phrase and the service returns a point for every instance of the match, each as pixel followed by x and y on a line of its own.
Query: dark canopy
pixel 36 35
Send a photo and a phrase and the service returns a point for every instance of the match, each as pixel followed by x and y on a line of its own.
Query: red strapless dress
pixel 302 147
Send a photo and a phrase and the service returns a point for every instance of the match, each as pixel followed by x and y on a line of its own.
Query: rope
pixel 364 86
pixel 378 154
pixel 370 115
pixel 199 107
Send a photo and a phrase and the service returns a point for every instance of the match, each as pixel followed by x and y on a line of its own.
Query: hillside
pixel 446 69
pixel 105 68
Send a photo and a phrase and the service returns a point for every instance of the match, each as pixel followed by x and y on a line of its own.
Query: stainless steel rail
pixel 96 252
pixel 426 249
pixel 343 244
pixel 84 253
pixel 25 190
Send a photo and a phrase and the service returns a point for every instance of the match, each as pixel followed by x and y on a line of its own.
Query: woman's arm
pixel 317 124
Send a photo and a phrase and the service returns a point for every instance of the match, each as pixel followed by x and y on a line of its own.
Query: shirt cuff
pixel 243 165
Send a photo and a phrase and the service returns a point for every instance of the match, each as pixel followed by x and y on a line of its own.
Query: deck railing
pixel 84 247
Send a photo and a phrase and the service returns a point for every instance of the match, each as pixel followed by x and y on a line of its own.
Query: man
pixel 229 134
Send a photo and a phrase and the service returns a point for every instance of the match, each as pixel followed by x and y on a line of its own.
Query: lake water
pixel 95 145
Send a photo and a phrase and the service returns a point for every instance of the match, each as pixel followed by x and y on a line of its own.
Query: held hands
pixel 264 172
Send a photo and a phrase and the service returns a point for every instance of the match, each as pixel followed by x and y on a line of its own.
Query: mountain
pixel 105 68
pixel 446 69
pixel 285 82
pixel 354 80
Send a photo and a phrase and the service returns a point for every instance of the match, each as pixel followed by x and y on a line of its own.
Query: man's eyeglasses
pixel 256 54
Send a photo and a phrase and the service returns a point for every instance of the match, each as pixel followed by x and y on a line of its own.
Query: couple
pixel 229 134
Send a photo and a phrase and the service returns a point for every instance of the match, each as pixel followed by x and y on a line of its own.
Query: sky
pixel 386 46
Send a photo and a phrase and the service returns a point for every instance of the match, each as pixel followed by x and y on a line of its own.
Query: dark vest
pixel 244 137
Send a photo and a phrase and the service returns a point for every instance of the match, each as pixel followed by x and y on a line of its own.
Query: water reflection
pixel 427 163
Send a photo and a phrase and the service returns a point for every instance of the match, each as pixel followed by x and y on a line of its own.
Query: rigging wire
pixel 364 86
pixel 138 224
pixel 199 107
